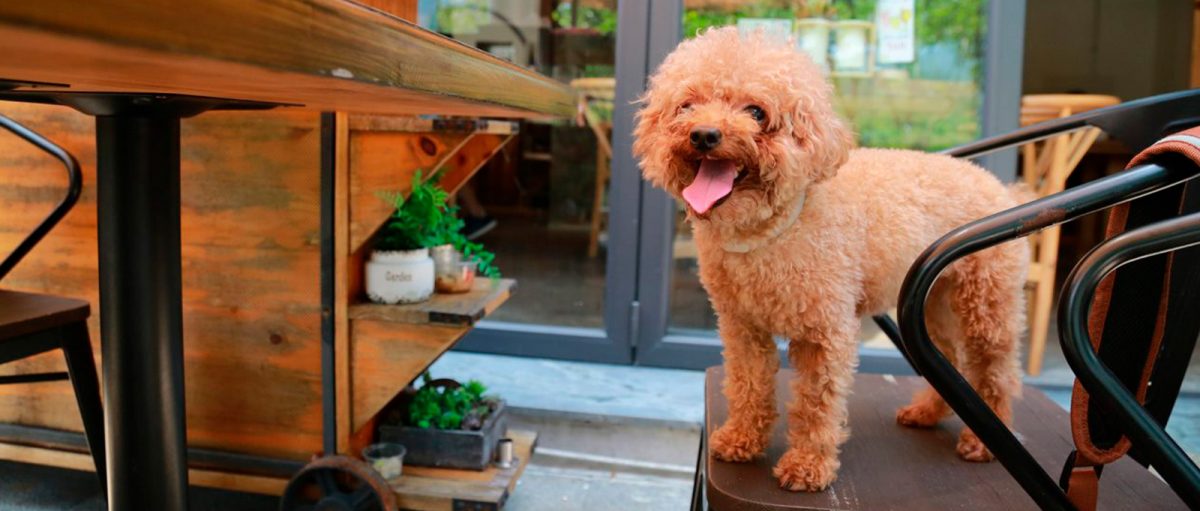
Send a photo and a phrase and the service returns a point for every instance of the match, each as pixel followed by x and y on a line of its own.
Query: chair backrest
pixel 74 188
pixel 1141 320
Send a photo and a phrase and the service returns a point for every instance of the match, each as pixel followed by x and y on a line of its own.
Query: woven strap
pixel 1137 295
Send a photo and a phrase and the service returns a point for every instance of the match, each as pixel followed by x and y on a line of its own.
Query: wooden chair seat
pixel 26 313
pixel 889 467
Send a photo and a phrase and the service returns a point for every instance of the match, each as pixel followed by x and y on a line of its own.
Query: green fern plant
pixel 426 219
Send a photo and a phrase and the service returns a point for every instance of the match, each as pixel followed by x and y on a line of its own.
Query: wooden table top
pixel 323 54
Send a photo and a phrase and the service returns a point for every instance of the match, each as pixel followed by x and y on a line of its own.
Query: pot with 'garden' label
pixel 399 276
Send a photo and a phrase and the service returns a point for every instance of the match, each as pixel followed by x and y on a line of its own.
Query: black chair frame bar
pixel 74 188
pixel 1138 123
pixel 1101 383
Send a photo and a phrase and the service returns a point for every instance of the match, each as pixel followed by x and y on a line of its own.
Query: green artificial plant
pixel 442 407
pixel 425 218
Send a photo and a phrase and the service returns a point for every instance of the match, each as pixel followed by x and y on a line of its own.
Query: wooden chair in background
pixel 595 108
pixel 1046 165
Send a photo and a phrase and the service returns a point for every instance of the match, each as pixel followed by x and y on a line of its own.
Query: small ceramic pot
pixel 403 276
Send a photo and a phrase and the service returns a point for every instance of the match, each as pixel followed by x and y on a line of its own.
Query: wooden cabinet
pixel 251 271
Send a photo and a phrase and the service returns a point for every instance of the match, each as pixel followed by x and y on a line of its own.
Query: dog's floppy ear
pixel 648 147
pixel 823 135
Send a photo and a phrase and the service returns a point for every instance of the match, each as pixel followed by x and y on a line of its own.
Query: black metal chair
pixel 32 323
pixel 1146 314
pixel 888 467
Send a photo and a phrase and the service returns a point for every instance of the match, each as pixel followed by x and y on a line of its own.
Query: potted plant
pixel 446 424
pixel 400 269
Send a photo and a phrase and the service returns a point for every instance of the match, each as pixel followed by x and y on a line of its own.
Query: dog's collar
pixel 755 242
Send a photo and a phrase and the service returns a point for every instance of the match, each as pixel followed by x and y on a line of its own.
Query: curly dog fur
pixel 814 235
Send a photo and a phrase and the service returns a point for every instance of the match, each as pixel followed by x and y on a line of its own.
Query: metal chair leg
pixel 698 482
pixel 77 349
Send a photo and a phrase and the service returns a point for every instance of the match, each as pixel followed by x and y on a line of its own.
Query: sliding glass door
pixel 605 264
pixel 906 73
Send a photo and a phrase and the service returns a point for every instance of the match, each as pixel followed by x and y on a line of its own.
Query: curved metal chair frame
pixel 1138 124
pixel 74 188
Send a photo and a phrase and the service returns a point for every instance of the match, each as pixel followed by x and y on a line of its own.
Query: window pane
pixel 547 190
pixel 905 73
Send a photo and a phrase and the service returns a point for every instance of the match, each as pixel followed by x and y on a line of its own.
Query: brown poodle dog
pixel 799 236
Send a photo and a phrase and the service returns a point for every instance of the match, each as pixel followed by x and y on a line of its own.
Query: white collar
pixel 755 242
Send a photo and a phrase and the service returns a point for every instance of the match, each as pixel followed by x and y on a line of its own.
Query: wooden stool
pixel 889 467
pixel 1046 166
pixel 595 95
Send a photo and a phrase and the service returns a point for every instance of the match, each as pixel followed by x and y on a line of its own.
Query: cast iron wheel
pixel 337 483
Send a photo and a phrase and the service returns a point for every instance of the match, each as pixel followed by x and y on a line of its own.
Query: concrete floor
pixel 611 437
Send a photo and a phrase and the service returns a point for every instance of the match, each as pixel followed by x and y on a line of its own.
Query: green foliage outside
pixel 425 219
pixel 438 407
pixel 600 19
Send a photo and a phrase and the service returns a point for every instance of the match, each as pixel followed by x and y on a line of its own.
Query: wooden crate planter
pixel 428 447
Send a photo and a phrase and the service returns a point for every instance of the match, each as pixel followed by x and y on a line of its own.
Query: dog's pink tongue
pixel 713 181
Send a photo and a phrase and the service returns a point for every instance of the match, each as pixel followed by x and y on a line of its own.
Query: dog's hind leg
pixel 927 406
pixel 988 299
pixel 751 362
pixel 824 361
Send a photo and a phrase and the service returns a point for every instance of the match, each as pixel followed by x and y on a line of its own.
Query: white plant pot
pixel 403 276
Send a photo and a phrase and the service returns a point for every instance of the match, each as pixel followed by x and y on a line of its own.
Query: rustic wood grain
pixel 342 296
pixel 324 54
pixel 433 489
pixel 888 467
pixel 251 266
pixel 403 9
pixel 450 309
pixel 385 358
pixel 199 477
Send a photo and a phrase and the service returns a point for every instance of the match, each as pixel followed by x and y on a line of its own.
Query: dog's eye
pixel 757 113
pixel 685 107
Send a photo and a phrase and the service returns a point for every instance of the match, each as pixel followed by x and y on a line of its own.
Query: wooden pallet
pixel 441 489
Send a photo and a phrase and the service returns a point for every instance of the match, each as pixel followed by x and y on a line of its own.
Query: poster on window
pixel 894 19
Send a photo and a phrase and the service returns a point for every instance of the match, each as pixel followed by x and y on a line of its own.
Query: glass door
pixel 907 74
pixel 558 206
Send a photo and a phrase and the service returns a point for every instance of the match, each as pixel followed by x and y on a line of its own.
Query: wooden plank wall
pixel 251 269
pixel 251 272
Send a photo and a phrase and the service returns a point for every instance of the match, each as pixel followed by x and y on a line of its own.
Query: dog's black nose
pixel 705 138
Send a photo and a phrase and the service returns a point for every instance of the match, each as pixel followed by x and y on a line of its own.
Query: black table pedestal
pixel 137 154
pixel 140 313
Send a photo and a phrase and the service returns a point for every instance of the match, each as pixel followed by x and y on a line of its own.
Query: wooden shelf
pixel 323 54
pixel 439 489
pixel 457 309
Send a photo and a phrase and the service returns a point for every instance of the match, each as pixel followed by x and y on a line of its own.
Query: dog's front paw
pixel 801 471
pixel 731 443
pixel 971 448
pixel 918 416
